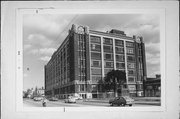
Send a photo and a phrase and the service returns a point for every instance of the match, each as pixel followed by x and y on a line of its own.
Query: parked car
pixel 70 99
pixel 53 99
pixel 129 100
pixel 78 97
pixel 121 101
pixel 37 98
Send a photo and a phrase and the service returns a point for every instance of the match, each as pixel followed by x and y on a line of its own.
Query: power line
pixel 66 27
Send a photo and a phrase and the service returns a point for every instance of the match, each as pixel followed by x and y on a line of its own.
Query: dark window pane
pixel 120 65
pixel 119 50
pixel 96 71
pixel 109 64
pixel 107 40
pixel 119 43
pixel 130 58
pixel 95 55
pixel 95 63
pixel 120 58
pixel 129 44
pixel 108 56
pixel 108 48
pixel 95 47
pixel 95 39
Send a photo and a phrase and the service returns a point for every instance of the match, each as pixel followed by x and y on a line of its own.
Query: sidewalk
pixel 138 100
pixel 147 98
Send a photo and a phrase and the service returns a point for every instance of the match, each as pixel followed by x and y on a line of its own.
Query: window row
pixel 81 45
pixel 97 39
pixel 82 54
pixel 82 71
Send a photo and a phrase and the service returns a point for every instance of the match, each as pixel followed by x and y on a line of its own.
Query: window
pixel 107 70
pixel 131 72
pixel 140 52
pixel 130 50
pixel 94 87
pixel 131 79
pixel 82 78
pixel 109 64
pixel 81 46
pixel 82 54
pixel 82 87
pixel 108 56
pixel 82 71
pixel 107 40
pixel 95 39
pixel 131 65
pixel 119 50
pixel 129 44
pixel 107 48
pixel 120 58
pixel 132 87
pixel 95 63
pixel 95 55
pixel 119 42
pixel 95 47
pixel 130 58
pixel 81 63
pixel 120 65
pixel 139 87
pixel 81 38
pixel 96 71
pixel 96 78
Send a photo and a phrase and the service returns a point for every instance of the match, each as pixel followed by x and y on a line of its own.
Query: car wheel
pixel 122 104
pixel 112 104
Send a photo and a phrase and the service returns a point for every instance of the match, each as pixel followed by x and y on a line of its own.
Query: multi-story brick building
pixel 84 58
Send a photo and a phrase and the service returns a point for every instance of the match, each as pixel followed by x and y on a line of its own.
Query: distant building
pixel 85 57
pixel 40 91
pixel 153 87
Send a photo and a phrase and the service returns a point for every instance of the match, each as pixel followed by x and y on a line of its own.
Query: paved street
pixel 79 103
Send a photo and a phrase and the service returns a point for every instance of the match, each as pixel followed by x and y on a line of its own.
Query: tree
pixel 113 79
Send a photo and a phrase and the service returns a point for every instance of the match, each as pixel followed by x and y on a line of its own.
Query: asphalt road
pixel 79 103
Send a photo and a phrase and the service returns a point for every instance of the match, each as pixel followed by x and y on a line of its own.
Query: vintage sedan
pixel 38 98
pixel 121 101
pixel 70 99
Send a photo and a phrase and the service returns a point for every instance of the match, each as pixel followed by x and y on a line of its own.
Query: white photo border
pixel 11 73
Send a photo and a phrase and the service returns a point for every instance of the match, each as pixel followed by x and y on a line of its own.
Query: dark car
pixel 121 101
pixel 53 99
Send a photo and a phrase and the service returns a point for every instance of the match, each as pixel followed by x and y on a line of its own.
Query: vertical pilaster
pixel 102 57
pixel 125 57
pixel 114 54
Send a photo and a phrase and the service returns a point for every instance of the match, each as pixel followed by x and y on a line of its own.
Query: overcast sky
pixel 43 34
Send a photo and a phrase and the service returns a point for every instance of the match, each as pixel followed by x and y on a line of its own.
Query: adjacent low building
pixel 153 86
pixel 85 57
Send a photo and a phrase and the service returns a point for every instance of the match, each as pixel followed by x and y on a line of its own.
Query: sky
pixel 43 34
